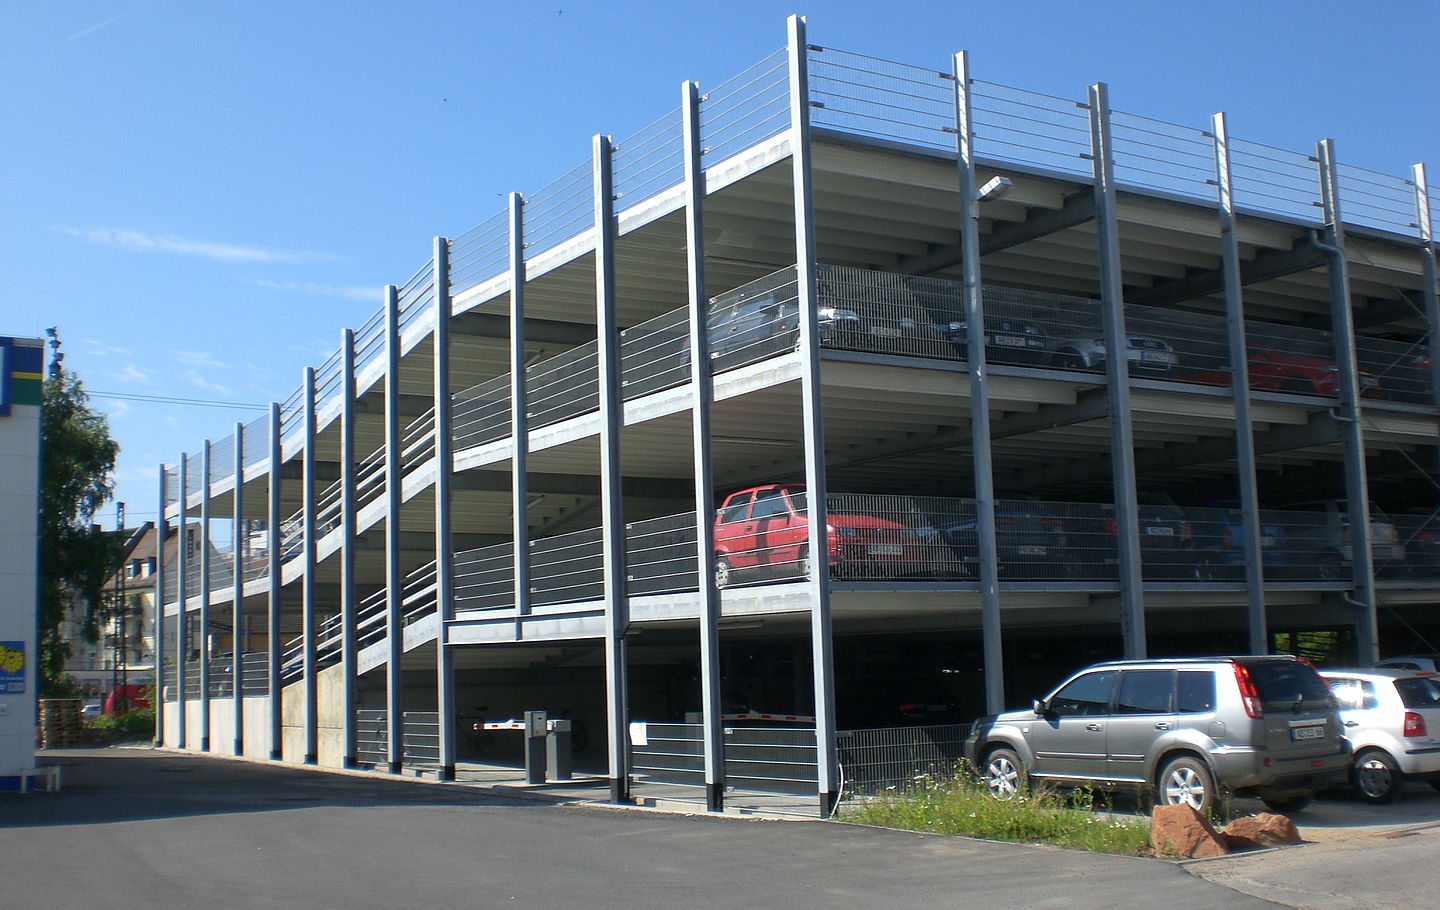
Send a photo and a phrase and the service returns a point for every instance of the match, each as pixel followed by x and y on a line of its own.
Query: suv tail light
pixel 1414 724
pixel 1248 696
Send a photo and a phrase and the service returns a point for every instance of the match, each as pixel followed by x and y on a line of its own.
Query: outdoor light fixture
pixel 994 188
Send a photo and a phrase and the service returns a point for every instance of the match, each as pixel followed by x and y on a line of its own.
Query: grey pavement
pixel 162 830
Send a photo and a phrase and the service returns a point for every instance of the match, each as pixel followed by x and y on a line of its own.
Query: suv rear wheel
pixel 1185 779
pixel 1004 776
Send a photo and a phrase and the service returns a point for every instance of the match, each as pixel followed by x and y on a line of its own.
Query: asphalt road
pixel 165 831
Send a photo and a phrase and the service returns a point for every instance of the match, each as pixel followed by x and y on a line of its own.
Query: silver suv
pixel 1183 730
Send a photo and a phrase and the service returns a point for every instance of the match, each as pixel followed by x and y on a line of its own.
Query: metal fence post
pixel 161 533
pixel 1428 291
pixel 274 541
pixel 239 545
pixel 1117 376
pixel 348 599
pixel 182 625
pixel 711 706
pixel 612 418
pixel 444 544
pixel 394 574
pixel 519 422
pixel 1357 492
pixel 307 579
pixel 1240 390
pixel 205 579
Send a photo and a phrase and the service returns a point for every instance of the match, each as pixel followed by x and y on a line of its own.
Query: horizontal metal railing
pixel 897 758
pixel 420 732
pixel 766 759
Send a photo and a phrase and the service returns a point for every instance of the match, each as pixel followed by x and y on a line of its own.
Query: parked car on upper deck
pixel 1220 542
pixel 1325 544
pixel 1275 371
pixel 1145 353
pixel 763 530
pixel 1011 339
pixel 1030 541
pixel 1392 720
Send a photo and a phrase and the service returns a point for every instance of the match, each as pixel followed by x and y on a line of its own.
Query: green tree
pixel 76 478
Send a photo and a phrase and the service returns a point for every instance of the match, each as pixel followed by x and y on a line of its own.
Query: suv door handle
pixel 1094 728
pixel 1162 725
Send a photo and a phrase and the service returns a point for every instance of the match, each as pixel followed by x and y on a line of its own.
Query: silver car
pixel 1143 352
pixel 1392 719
pixel 1186 730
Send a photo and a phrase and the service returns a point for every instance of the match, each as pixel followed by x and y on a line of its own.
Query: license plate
pixel 885 331
pixel 1267 541
pixel 1159 530
pixel 1010 341
pixel 884 549
pixel 1316 731
pixel 1030 551
pixel 1154 356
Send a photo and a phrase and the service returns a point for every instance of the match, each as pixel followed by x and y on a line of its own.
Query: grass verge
pixel 960 805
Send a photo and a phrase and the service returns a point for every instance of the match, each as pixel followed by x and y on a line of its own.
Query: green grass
pixel 960 805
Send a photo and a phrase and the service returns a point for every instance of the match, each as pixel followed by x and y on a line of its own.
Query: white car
pixel 90 710
pixel 1392 719
pixel 1423 663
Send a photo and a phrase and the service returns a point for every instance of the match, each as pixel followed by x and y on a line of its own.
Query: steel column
pixel 394 574
pixel 988 550
pixel 205 579
pixel 812 421
pixel 444 503
pixel 161 533
pixel 182 590
pixel 1428 291
pixel 1117 376
pixel 240 547
pixel 519 422
pixel 349 602
pixel 1240 390
pixel 307 577
pixel 612 418
pixel 711 705
pixel 274 540
pixel 1357 492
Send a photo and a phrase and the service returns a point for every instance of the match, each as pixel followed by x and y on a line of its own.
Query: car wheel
pixel 1287 802
pixel 1004 776
pixel 1186 780
pixel 802 563
pixel 722 572
pixel 1376 777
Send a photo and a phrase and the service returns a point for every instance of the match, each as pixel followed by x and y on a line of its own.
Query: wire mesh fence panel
pixel 567 568
pixel 660 554
pixel 560 211
pixel 479 254
pixel 648 161
pixel 668 753
pixel 655 355
pixel 1298 361
pixel 1030 128
pixel 753 322
pixel 1417 530
pixel 485 577
pixel 884 313
pixel 882 99
pixel 898 758
pixel 745 109
pixel 481 414
pixel 1400 370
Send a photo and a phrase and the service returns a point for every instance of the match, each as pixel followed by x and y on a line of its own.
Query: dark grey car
pixel 1186 730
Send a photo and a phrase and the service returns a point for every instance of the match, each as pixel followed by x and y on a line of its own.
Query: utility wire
pixel 163 399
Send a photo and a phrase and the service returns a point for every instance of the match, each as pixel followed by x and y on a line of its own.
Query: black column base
pixel 393 767
pixel 276 755
pixel 349 762
pixel 205 744
pixel 240 747
pixel 446 772
pixel 311 758
pixel 619 790
pixel 715 797
pixel 827 803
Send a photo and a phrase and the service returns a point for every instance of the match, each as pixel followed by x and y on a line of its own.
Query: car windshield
pixel 1419 691
pixel 1287 684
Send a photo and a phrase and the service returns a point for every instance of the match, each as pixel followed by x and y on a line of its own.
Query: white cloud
pixel 88 30
pixel 101 349
pixel 132 375
pixel 141 242
pixel 353 292
pixel 200 382
pixel 200 359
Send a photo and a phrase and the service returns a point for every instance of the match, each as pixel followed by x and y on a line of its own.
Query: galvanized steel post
pixel 162 532
pixel 812 422
pixel 702 393
pixel 1357 492
pixel 349 602
pixel 519 422
pixel 1428 291
pixel 1240 390
pixel 274 541
pixel 988 550
pixel 1117 376
pixel 444 504
pixel 612 418
pixel 205 581
pixel 307 578
pixel 182 625
pixel 239 547
pixel 394 575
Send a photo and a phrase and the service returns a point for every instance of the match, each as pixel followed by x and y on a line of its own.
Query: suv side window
pixel 1145 692
pixel 1084 697
pixel 1195 692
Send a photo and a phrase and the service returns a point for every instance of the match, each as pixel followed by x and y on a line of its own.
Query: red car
pixel 1297 374
pixel 762 530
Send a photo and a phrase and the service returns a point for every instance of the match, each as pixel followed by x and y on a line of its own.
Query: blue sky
pixel 202 195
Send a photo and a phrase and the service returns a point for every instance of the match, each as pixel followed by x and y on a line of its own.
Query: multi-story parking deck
pixel 835 281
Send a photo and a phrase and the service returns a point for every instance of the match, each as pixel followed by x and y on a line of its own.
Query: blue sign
pixel 12 667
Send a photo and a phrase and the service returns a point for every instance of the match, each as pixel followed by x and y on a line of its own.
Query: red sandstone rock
pixel 1181 831
pixel 1263 830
